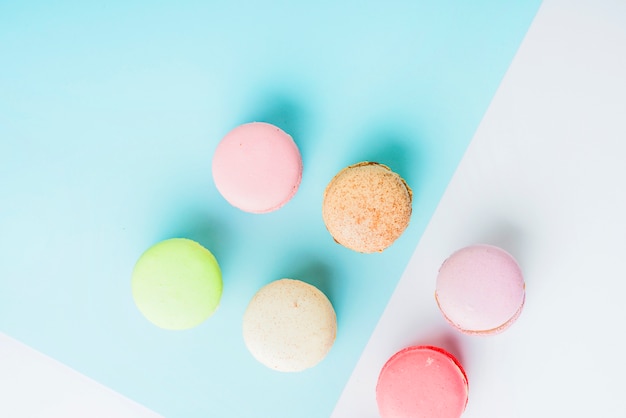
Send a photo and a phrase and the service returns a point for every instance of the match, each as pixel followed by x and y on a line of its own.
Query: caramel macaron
pixel 367 207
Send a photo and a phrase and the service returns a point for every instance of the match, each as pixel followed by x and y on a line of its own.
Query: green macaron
pixel 177 284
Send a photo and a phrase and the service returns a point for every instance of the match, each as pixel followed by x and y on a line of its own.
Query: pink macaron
pixel 480 290
pixel 422 381
pixel 257 167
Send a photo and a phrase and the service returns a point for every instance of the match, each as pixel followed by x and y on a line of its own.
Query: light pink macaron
pixel 422 381
pixel 480 290
pixel 257 167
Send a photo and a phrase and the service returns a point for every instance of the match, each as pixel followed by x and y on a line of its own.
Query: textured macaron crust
pixel 177 284
pixel 480 289
pixel 257 167
pixel 289 325
pixel 422 382
pixel 367 207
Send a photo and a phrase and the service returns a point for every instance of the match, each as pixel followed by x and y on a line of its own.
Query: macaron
pixel 177 284
pixel 480 290
pixel 367 207
pixel 289 325
pixel 257 167
pixel 422 381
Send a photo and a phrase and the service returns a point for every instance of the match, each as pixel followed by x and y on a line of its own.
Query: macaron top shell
pixel 422 382
pixel 257 167
pixel 480 289
pixel 177 284
pixel 367 207
pixel 289 325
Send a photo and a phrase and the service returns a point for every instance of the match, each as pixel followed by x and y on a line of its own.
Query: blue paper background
pixel 109 115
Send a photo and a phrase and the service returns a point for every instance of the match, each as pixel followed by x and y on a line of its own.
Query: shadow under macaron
pixel 507 235
pixel 315 273
pixel 398 148
pixel 207 229
pixel 283 109
pixel 448 339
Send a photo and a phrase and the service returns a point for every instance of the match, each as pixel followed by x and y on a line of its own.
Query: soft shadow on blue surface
pixel 317 273
pixel 287 111
pixel 397 148
pixel 212 231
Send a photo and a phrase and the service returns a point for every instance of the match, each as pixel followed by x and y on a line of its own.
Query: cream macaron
pixel 367 207
pixel 289 325
pixel 480 290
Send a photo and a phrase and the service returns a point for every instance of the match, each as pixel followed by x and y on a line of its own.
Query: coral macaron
pixel 257 167
pixel 422 381
pixel 480 290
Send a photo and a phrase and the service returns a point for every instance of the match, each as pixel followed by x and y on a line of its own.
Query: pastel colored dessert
pixel 480 290
pixel 257 167
pixel 422 382
pixel 289 325
pixel 177 284
pixel 367 207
